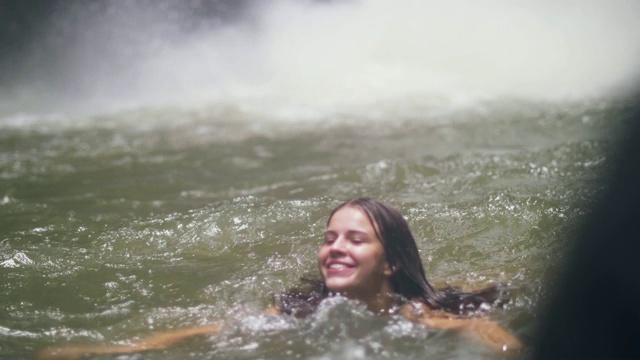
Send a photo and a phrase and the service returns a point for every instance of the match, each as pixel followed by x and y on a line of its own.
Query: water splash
pixel 299 59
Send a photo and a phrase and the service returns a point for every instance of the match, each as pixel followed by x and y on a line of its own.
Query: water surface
pixel 118 225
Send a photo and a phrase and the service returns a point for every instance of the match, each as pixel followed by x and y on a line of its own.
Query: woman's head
pixel 352 259
pixel 391 246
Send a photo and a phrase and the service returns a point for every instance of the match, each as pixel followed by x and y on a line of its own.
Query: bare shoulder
pixel 421 312
pixel 272 310
pixel 415 310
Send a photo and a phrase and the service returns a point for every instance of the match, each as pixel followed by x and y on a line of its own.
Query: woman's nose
pixel 338 245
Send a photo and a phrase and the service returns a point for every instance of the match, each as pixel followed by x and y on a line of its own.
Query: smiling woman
pixel 368 255
pixel 352 260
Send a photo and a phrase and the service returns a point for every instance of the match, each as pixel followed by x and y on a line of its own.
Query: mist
pixel 300 59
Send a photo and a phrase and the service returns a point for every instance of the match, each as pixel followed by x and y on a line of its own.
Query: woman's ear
pixel 391 269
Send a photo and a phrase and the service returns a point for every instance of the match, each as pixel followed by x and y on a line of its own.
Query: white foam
pixel 298 59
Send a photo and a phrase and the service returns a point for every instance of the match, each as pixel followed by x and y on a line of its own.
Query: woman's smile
pixel 339 268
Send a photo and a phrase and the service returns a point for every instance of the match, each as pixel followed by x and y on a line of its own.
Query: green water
pixel 119 225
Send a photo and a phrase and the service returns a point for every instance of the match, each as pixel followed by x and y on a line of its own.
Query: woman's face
pixel 352 259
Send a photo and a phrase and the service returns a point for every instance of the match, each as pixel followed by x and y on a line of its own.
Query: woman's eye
pixel 357 240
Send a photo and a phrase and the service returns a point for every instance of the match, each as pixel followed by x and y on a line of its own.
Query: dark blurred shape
pixel 595 309
pixel 34 33
pixel 20 22
pixel 18 19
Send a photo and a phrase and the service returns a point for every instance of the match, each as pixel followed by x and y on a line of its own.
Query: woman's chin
pixel 340 287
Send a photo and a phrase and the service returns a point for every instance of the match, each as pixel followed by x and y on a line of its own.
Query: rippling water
pixel 118 225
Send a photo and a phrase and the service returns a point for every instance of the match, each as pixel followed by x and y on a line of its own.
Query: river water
pixel 121 224
pixel 118 223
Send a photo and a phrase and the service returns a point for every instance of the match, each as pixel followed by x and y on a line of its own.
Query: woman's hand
pixel 63 353
pixel 153 342
pixel 485 331
pixel 493 335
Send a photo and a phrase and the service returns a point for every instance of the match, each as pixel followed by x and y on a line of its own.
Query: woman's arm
pixel 153 342
pixel 273 311
pixel 486 331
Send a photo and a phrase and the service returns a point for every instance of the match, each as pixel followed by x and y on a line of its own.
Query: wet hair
pixel 303 299
pixel 408 279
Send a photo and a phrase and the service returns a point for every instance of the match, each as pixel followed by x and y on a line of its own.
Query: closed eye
pixel 329 238
pixel 358 237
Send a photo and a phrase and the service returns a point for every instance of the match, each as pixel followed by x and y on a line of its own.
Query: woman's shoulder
pixel 415 310
pixel 418 310
pixel 273 310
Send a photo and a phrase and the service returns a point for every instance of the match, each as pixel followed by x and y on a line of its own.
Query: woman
pixel 369 255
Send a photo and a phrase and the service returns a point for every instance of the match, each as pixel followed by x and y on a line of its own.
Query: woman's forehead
pixel 352 217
